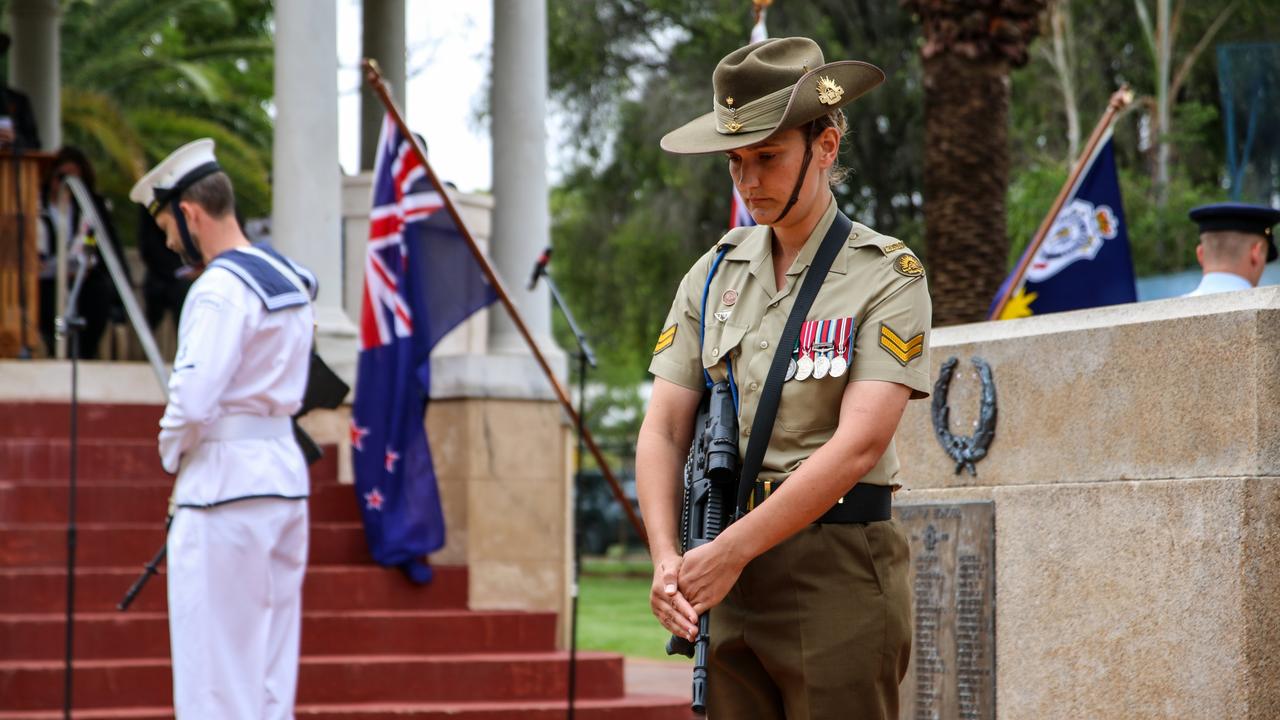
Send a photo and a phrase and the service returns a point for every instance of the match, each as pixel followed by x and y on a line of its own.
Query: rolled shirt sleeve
pixel 677 354
pixel 892 342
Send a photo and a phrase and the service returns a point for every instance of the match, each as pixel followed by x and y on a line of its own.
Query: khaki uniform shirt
pixel 875 280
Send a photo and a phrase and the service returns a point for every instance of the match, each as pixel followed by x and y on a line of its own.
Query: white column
pixel 521 219
pixel 34 67
pixel 383 40
pixel 306 179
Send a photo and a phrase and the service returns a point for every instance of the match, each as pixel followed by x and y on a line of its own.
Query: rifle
pixel 710 490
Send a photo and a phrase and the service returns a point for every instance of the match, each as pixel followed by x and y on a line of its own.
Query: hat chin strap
pixel 804 168
pixel 192 253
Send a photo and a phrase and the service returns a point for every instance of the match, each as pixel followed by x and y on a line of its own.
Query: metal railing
pixel 107 251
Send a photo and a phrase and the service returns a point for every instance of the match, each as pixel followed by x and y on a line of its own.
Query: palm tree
pixel 140 78
pixel 969 48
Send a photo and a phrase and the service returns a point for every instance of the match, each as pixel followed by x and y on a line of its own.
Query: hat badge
pixel 829 92
pixel 733 125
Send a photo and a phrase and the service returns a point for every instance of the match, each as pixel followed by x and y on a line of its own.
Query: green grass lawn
pixel 613 610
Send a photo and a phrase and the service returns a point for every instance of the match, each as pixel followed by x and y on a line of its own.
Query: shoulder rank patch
pixel 907 264
pixel 895 247
pixel 665 340
pixel 904 351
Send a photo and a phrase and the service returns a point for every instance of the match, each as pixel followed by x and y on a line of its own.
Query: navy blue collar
pixel 278 281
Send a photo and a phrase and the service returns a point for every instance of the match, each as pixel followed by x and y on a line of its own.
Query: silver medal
pixel 791 369
pixel 804 368
pixel 821 366
pixel 839 366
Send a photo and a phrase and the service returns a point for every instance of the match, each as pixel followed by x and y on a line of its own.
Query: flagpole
pixel 1119 100
pixel 374 77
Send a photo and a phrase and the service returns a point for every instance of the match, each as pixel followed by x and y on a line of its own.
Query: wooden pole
pixel 374 78
pixel 1119 100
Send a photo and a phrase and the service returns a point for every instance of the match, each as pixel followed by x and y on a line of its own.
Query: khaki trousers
pixel 818 628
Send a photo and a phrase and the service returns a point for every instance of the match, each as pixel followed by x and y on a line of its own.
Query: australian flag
pixel 1084 260
pixel 421 281
pixel 739 215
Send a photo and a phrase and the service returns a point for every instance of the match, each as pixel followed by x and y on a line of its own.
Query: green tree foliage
pixel 1109 47
pixel 629 219
pixel 140 78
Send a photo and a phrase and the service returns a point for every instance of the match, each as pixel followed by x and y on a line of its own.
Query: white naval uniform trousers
pixel 237 548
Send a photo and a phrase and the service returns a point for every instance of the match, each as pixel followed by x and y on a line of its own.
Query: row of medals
pixel 824 361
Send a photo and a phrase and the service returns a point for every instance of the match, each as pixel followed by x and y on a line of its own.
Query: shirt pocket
pixel 722 338
pixel 811 405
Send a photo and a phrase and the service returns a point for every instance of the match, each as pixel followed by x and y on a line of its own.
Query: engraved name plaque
pixel 953 589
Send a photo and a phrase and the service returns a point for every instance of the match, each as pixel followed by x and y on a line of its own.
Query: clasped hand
pixel 686 587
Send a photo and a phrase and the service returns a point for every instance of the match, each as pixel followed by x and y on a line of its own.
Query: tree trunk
pixel 1062 60
pixel 965 180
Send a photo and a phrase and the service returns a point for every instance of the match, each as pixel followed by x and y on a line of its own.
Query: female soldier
pixel 812 610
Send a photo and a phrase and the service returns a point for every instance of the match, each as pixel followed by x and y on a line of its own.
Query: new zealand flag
pixel 421 281
pixel 1084 260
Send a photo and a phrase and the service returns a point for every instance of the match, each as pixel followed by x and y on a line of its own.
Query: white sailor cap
pixel 176 173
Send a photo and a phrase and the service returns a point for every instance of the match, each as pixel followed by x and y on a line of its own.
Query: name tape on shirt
pixel 904 351
pixel 665 340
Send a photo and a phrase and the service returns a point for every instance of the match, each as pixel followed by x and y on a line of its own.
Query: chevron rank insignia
pixel 665 340
pixel 904 351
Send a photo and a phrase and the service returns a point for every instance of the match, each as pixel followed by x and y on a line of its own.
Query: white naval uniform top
pixel 235 359
pixel 1216 282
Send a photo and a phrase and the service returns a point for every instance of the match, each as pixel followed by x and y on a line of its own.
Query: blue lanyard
pixel 702 337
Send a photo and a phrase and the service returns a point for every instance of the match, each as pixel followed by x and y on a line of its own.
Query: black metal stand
pixel 70 324
pixel 585 358
pixel 24 349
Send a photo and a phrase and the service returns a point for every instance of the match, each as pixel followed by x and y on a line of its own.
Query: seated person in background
pixel 59 213
pixel 17 121
pixel 1236 243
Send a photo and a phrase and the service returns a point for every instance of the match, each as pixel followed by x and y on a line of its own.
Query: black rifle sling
pixel 762 425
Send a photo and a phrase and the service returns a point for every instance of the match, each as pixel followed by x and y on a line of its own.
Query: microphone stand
pixel 585 358
pixel 70 324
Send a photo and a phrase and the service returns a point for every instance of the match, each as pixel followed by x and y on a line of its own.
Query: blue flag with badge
pixel 1084 260
pixel 421 281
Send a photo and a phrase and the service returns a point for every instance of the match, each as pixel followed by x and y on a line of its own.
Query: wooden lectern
pixel 20 179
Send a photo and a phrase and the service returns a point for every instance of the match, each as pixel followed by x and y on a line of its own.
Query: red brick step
pixel 102 460
pixel 104 545
pixel 636 707
pixel 96 420
pixel 140 501
pixel 347 679
pixel 135 634
pixel 327 587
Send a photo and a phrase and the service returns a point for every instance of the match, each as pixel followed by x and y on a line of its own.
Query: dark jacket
pixel 26 134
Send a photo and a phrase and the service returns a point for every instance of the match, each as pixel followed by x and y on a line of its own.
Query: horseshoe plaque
pixel 965 450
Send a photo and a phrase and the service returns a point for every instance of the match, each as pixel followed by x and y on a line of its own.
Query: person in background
pixel 17 121
pixel 1236 243
pixel 59 215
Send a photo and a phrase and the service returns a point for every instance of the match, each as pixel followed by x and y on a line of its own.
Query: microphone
pixel 540 267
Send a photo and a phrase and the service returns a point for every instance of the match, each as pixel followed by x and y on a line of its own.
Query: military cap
pixel 1240 217
pixel 767 87
pixel 176 173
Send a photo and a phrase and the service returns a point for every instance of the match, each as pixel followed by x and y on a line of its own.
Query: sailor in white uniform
pixel 237 547
pixel 1236 243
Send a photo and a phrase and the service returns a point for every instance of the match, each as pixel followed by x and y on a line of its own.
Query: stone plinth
pixel 1136 480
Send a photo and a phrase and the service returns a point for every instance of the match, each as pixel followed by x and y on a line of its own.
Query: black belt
pixel 863 504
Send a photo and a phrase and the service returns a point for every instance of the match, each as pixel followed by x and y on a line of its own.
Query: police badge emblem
pixel 1078 233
